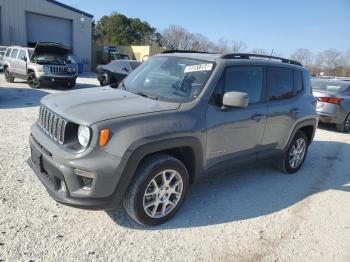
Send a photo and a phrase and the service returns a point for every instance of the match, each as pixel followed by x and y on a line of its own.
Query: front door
pixel 234 135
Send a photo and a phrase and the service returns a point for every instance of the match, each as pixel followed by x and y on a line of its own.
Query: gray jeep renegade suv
pixel 176 118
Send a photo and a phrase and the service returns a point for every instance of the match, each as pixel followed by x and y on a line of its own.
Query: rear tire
pixel 32 80
pixel 71 84
pixel 158 190
pixel 345 126
pixel 8 76
pixel 294 157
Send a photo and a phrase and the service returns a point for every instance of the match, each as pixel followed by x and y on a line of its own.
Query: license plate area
pixel 40 164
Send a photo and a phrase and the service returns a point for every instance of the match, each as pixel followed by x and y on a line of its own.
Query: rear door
pixel 283 105
pixel 13 61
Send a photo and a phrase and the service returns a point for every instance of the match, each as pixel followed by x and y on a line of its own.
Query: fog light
pixel 87 183
pixel 83 173
pixel 86 178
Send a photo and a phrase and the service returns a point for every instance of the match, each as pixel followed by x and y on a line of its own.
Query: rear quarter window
pixel 280 83
pixel 298 82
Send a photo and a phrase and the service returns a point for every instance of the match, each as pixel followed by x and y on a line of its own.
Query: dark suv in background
pixel 175 118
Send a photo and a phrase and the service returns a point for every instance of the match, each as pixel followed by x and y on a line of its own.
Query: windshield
pixel 330 86
pixel 172 79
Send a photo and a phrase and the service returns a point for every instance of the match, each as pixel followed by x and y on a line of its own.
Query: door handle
pixel 258 117
pixel 295 111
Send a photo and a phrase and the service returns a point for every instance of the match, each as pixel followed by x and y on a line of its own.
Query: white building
pixel 26 22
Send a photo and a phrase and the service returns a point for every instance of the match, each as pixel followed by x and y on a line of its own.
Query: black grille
pixel 52 124
pixel 58 69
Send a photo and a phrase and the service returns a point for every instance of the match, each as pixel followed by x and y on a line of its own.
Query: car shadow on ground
pixel 329 127
pixel 257 192
pixel 12 97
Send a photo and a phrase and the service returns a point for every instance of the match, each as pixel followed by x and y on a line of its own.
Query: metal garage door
pixel 41 28
pixel 0 28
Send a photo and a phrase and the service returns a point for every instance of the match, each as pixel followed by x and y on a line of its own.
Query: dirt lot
pixel 253 215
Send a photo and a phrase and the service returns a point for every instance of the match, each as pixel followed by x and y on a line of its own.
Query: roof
pixel 69 8
pixel 237 58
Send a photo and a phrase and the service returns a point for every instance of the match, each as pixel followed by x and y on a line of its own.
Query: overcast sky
pixel 279 24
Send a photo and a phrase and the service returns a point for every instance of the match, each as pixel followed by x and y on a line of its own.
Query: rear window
pixel 14 53
pixel 330 86
pixel 8 52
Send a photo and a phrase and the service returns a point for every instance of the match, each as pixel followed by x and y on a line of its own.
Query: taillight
pixel 332 100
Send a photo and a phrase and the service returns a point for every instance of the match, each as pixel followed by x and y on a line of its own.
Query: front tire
pixel 345 126
pixel 32 80
pixel 294 157
pixel 8 76
pixel 158 190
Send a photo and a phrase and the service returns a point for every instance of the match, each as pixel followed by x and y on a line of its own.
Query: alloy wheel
pixel 347 123
pixel 163 193
pixel 297 153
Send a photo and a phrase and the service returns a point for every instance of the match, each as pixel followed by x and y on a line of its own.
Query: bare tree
pixel 177 37
pixel 238 47
pixel 332 61
pixel 303 56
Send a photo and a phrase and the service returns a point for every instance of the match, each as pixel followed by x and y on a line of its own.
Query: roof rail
pixel 185 51
pixel 248 56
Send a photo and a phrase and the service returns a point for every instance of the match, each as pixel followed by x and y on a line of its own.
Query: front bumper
pixel 67 80
pixel 64 186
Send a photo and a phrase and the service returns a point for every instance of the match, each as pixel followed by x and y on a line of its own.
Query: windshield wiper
pixel 122 85
pixel 145 95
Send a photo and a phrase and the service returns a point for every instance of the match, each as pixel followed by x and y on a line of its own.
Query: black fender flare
pixel 298 126
pixel 135 154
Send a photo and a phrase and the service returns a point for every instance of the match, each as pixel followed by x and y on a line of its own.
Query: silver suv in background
pixel 46 64
pixel 2 54
pixel 176 118
pixel 333 102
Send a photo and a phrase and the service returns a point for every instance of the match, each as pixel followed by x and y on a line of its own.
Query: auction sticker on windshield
pixel 198 68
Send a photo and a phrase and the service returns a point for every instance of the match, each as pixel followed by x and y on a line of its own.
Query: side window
pixel 22 55
pixel 248 79
pixel 298 82
pixel 14 53
pixel 8 52
pixel 280 83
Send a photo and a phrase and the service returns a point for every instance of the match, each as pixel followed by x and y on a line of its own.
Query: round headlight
pixel 83 135
pixel 46 69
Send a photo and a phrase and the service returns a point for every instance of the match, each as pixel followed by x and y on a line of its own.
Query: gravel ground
pixel 254 215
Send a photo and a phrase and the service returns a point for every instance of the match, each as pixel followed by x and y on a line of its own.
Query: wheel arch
pixel 186 149
pixel 308 126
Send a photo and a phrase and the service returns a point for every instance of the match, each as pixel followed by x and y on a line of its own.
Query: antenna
pixel 273 49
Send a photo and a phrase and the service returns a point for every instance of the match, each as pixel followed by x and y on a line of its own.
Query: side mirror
pixel 235 99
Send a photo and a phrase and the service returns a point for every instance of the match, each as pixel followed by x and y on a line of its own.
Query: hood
pixel 93 105
pixel 50 48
